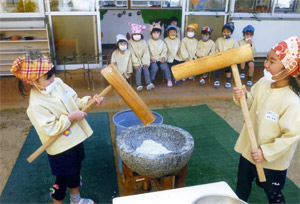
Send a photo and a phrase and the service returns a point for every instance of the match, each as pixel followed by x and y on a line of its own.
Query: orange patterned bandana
pixel 29 70
pixel 288 52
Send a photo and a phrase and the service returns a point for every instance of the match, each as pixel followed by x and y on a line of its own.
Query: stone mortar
pixel 175 139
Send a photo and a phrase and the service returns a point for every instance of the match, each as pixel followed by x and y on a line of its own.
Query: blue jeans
pixel 138 76
pixel 154 66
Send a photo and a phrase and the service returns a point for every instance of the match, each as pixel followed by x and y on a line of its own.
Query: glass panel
pixel 286 6
pixel 71 36
pixel 154 3
pixel 244 6
pixel 139 3
pixel 259 6
pixel 207 5
pixel 72 5
pixel 107 3
pixel 122 3
pixel 171 3
pixel 263 6
pixel 20 6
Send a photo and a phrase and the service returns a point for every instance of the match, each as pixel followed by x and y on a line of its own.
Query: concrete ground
pixel 14 124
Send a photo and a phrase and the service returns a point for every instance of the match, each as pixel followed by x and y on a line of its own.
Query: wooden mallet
pixel 132 99
pixel 217 61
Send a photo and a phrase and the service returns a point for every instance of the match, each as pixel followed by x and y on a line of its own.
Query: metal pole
pixel 51 31
pixel 183 13
pixel 99 30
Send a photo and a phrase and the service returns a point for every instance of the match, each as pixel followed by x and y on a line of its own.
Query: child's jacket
pixel 49 115
pixel 275 115
pixel 225 44
pixel 206 48
pixel 157 49
pixel 122 62
pixel 189 48
pixel 139 53
pixel 173 49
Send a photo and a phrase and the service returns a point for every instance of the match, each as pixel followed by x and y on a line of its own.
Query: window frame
pixel 113 7
pixel 273 14
pixel 39 14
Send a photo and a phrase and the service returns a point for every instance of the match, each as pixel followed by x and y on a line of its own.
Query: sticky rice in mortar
pixel 152 147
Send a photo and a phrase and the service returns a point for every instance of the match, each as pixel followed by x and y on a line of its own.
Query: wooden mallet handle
pixel 51 140
pixel 238 83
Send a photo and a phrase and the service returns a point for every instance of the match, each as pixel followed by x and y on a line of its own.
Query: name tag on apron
pixel 67 99
pixel 271 116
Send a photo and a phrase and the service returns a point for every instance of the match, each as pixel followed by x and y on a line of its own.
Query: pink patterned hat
pixel 137 29
pixel 288 52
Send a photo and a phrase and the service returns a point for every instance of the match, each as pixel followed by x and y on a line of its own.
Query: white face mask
pixel 123 47
pixel 268 76
pixel 190 34
pixel 247 39
pixel 155 36
pixel 48 89
pixel 136 37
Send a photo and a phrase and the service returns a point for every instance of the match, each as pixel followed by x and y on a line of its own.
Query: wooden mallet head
pixel 132 99
pixel 213 62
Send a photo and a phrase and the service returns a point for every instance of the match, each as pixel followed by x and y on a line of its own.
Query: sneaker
pixel 176 83
pixel 205 75
pixel 217 84
pixel 249 83
pixel 139 88
pixel 183 79
pixel 191 78
pixel 242 76
pixel 150 86
pixel 170 84
pixel 227 85
pixel 83 201
pixel 202 80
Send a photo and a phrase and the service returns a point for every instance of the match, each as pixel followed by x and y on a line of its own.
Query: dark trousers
pixel 175 62
pixel 64 182
pixel 273 186
pixel 218 73
pixel 66 166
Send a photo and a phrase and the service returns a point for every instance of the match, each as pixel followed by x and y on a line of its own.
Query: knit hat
pixel 137 29
pixel 207 28
pixel 288 52
pixel 172 27
pixel 155 27
pixel 192 25
pixel 29 69
pixel 230 26
pixel 121 37
pixel 248 28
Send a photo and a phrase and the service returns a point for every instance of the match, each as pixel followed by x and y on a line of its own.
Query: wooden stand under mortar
pixel 176 180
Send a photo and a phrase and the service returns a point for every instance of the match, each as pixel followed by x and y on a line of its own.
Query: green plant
pixel 26 6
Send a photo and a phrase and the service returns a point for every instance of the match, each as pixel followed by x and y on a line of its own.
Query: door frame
pixel 96 13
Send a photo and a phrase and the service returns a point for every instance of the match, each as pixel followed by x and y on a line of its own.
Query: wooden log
pixel 212 62
pixel 132 99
